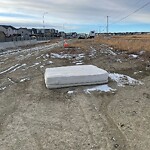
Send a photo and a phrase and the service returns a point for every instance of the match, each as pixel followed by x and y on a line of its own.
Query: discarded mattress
pixel 74 75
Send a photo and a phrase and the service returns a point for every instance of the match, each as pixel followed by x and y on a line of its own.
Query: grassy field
pixel 133 43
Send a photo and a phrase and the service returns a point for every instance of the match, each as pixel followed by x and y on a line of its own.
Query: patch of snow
pixel 42 66
pixel 119 60
pixel 102 88
pixel 123 80
pixel 60 56
pixel 35 64
pixel 79 56
pixel 108 51
pixel 3 88
pixel 141 52
pixel 30 50
pixel 67 56
pixel 40 56
pixel 70 92
pixel 133 56
pixel 111 52
pixel 93 52
pixel 47 55
pixel 11 80
pixel 25 79
pixel 23 65
pixel 138 72
pixel 9 69
pixel 49 62
pixel 79 63
pixel 1 62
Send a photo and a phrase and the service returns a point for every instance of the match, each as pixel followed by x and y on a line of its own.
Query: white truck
pixel 91 34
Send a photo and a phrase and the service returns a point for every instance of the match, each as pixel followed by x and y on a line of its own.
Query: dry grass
pixel 133 43
pixel 83 44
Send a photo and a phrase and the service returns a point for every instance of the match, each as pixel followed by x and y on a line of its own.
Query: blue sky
pixel 76 15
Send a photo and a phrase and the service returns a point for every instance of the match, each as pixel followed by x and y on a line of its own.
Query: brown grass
pixel 83 44
pixel 132 43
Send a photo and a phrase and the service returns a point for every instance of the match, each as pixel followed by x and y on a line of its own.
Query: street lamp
pixel 44 22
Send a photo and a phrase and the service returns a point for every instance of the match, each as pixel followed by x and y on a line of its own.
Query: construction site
pixel 110 116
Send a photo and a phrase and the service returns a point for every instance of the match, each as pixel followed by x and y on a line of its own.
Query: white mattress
pixel 74 75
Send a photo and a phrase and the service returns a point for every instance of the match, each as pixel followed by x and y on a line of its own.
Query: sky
pixel 77 15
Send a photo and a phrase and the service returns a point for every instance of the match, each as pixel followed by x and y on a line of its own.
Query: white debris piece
pixel 123 79
pixel 74 75
pixel 102 88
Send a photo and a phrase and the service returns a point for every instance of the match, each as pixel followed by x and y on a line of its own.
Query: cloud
pixel 75 12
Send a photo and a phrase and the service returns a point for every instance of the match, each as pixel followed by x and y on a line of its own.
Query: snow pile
pixel 102 88
pixel 124 79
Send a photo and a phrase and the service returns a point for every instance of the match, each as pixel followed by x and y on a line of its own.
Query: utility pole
pixel 107 24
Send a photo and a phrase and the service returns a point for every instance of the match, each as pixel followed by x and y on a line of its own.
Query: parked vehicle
pixel 91 34
pixel 82 36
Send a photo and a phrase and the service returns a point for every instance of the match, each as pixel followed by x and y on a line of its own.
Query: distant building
pixel 40 31
pixel 2 36
pixel 8 30
pixel 24 32
pixel 62 34
pixel 33 31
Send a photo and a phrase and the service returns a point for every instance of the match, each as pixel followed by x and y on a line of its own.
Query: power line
pixel 132 12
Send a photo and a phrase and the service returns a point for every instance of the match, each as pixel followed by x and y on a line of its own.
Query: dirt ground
pixel 33 117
